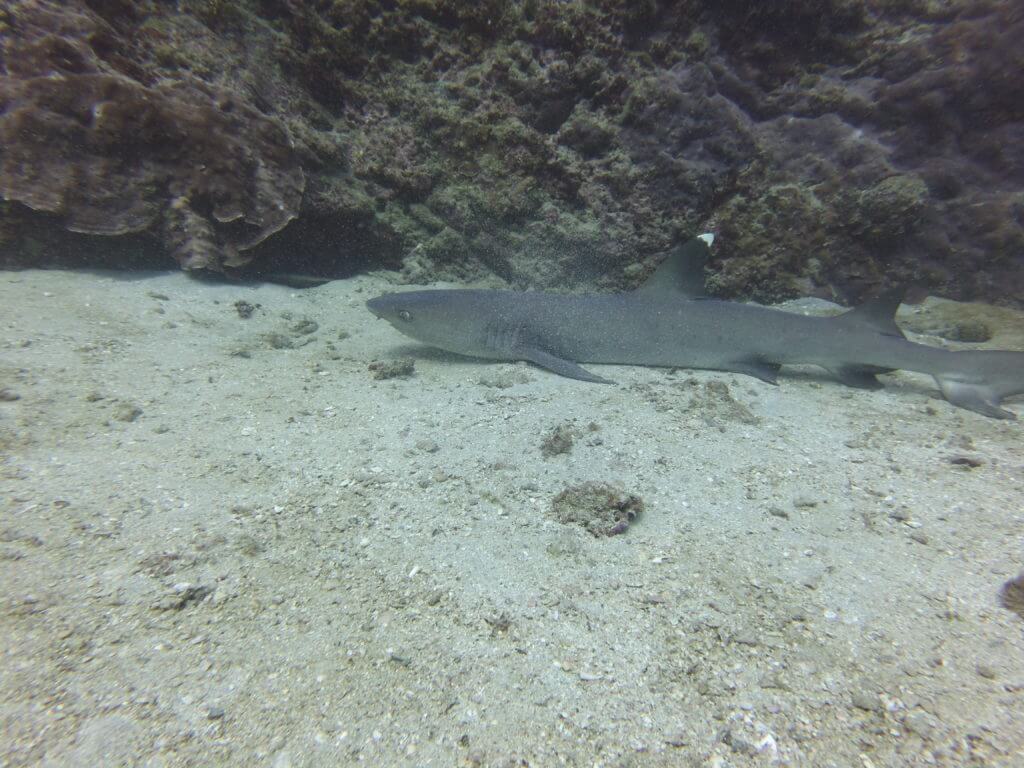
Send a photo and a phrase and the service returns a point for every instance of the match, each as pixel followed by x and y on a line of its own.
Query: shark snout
pixel 376 307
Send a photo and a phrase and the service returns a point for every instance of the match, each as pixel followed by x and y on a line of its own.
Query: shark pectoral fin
pixel 767 372
pixel 974 397
pixel 859 376
pixel 560 365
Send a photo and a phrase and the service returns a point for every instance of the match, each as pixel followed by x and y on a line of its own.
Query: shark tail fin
pixel 979 380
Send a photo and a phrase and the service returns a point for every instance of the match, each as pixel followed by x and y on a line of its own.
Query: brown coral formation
pixel 837 146
pixel 108 154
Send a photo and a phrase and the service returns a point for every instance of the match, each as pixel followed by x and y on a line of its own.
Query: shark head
pixel 386 307
pixel 440 318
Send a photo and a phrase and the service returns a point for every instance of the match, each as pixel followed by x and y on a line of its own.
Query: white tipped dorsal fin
pixel 682 270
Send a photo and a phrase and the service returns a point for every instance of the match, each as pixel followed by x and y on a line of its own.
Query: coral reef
pixel 838 147
pixel 109 155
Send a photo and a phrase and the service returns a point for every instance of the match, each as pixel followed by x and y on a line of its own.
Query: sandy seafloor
pixel 224 543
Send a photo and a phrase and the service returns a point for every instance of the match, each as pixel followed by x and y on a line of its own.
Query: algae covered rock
pixel 772 241
pixel 600 508
pixel 837 147
pixel 109 155
pixel 889 209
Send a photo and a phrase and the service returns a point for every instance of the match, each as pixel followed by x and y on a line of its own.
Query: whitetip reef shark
pixel 669 321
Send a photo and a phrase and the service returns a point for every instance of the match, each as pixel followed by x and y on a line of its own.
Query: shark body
pixel 669 322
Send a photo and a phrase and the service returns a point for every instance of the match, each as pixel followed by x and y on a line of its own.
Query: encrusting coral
pixel 110 155
pixel 838 147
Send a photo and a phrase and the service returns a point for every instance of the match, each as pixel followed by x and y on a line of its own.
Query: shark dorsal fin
pixel 682 271
pixel 879 312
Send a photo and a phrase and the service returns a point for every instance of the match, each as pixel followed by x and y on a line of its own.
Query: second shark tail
pixel 979 380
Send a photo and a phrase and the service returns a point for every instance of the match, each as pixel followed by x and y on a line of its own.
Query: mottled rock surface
pixel 836 147
pixel 110 151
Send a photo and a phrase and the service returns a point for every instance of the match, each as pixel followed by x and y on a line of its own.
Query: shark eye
pixel 405 315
